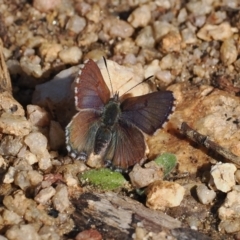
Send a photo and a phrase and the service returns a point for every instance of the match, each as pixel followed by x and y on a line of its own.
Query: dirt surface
pixel 190 47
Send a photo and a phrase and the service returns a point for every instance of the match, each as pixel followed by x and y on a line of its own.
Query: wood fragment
pixel 5 81
pixel 206 142
pixel 189 234
pixel 117 216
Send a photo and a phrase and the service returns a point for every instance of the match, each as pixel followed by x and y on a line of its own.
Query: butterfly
pixel 110 127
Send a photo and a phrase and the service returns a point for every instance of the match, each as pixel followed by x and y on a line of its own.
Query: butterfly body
pixel 109 119
pixel 111 111
pixel 111 128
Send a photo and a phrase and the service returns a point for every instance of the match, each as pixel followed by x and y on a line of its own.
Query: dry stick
pixel 5 81
pixel 204 140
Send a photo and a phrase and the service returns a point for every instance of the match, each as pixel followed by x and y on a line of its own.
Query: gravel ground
pixel 191 48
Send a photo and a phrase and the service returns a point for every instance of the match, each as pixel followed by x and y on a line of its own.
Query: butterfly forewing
pixel 127 147
pixel 91 90
pixel 148 112
pixel 81 132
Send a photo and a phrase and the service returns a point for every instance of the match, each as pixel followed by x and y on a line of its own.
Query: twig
pixel 5 81
pixel 206 142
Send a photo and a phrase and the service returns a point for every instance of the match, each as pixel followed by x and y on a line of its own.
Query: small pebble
pixel 126 46
pixel 10 145
pixel 3 163
pixel 45 195
pixel 161 28
pixel 23 36
pixel 10 217
pixel 222 176
pixel 34 177
pixel 152 68
pixel 188 36
pixel 163 194
pixel 35 41
pixel 142 177
pixel 44 162
pixel 200 21
pixel 145 38
pixel 130 59
pixel 170 61
pixel 199 71
pixel 22 165
pixel 91 234
pixel 15 125
pixel 117 28
pixel 7 53
pixel 205 195
pixel 30 68
pixel 21 180
pixel 37 143
pixel 165 77
pixel 182 15
pixel 19 232
pixel 71 55
pixel 228 52
pixel 199 7
pixel 165 4
pixel 237 176
pixel 38 116
pixel 76 24
pixel 87 39
pixel 140 17
pixel 193 222
pixel 9 176
pixel 94 13
pixel 229 212
pixel 30 52
pixel 60 199
pixel 140 233
pixel 229 226
pixel 28 156
pixel 216 32
pixel 49 51
pixel 12 202
pixel 49 232
pixel 171 42
pixel 70 172
pixel 46 5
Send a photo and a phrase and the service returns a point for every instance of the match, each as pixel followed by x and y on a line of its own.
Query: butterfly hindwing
pixel 91 90
pixel 127 146
pixel 81 132
pixel 148 112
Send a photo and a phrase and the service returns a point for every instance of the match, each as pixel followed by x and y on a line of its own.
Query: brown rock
pixel 162 194
pixel 171 42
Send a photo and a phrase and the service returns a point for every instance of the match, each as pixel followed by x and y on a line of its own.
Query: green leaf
pixel 103 178
pixel 167 161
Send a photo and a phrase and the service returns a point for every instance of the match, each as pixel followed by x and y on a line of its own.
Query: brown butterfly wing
pixel 127 147
pixel 148 112
pixel 81 132
pixel 91 90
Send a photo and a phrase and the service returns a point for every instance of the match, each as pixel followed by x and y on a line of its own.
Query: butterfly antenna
pixel 105 62
pixel 145 80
